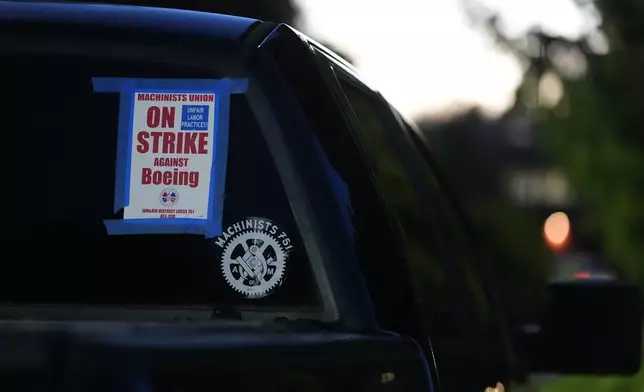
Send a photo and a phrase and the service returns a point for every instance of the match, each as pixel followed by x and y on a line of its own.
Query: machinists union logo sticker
pixel 169 197
pixel 254 257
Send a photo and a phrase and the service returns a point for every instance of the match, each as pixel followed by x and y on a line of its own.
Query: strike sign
pixel 171 158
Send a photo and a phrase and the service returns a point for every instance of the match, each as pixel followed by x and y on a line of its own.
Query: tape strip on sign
pixel 171 154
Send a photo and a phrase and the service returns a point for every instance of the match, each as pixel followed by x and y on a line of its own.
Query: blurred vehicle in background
pixel 581 266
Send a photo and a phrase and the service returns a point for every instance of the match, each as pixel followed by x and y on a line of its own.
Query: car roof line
pixel 126 17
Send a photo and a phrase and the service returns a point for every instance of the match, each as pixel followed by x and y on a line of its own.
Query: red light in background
pixel 582 275
pixel 556 231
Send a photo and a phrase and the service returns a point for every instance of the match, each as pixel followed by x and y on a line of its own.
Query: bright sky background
pixel 424 56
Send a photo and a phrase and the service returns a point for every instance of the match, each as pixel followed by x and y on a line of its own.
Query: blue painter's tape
pixel 217 180
pixel 222 88
pixel 154 226
pixel 118 85
pixel 123 148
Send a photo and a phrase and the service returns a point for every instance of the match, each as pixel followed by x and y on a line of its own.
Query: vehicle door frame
pixel 325 56
pixel 455 275
pixel 305 67
pixel 516 367
pixel 326 61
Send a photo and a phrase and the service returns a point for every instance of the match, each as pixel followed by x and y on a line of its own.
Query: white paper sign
pixel 171 155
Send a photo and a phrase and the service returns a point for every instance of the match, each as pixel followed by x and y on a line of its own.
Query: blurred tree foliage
pixel 596 134
pixel 595 130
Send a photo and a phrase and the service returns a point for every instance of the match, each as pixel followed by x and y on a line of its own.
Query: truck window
pixel 59 177
pixel 476 298
pixel 449 294
pixel 430 276
pixel 470 274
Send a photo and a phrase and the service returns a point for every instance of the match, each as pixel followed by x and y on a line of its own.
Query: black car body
pixel 384 287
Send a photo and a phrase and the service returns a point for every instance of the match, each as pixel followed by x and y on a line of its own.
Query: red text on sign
pixel 171 162
pixel 159 97
pixel 172 143
pixel 169 177
pixel 163 116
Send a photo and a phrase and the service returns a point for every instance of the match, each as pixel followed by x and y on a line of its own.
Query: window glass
pixel 448 286
pixel 430 277
pixel 470 276
pixel 478 307
pixel 60 141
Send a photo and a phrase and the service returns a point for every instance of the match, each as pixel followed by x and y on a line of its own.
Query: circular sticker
pixel 169 197
pixel 254 257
